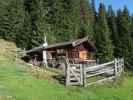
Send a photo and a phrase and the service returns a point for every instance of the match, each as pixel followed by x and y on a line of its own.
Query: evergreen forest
pixel 27 22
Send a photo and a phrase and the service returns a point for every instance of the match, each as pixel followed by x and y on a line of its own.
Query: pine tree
pixel 23 38
pixel 93 7
pixel 65 18
pixel 86 23
pixel 132 25
pixel 58 20
pixel 35 37
pixel 12 18
pixel 125 40
pixel 113 28
pixel 94 12
pixel 61 25
pixel 102 37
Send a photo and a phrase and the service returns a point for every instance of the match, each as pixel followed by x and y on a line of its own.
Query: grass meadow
pixel 18 81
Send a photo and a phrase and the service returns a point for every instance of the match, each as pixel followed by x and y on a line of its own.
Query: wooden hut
pixel 81 50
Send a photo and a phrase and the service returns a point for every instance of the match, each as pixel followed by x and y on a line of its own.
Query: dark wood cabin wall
pixel 73 52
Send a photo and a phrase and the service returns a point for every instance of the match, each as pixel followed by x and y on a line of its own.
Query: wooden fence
pixel 84 75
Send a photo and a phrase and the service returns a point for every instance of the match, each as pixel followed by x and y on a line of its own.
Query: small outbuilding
pixel 82 50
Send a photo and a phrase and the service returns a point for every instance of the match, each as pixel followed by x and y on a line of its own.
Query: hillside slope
pixel 18 81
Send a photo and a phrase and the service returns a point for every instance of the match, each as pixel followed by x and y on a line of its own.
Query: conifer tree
pixel 58 19
pixel 85 19
pixel 94 12
pixel 113 28
pixel 32 8
pixel 132 25
pixel 102 37
pixel 11 19
pixel 125 40
pixel 93 7
pixel 61 26
pixel 23 38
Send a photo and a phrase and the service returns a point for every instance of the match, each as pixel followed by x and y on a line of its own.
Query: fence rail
pixel 82 74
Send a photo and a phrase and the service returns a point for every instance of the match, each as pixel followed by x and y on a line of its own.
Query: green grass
pixel 19 82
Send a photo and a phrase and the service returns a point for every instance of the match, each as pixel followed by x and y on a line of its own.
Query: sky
pixel 117 4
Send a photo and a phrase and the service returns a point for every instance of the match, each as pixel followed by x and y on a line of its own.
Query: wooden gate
pixel 74 74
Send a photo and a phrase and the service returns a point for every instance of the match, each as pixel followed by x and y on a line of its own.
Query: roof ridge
pixel 76 42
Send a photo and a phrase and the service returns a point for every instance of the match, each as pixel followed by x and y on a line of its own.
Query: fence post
pixel 115 66
pixel 123 64
pixel 67 76
pixel 67 72
pixel 84 75
pixel 81 74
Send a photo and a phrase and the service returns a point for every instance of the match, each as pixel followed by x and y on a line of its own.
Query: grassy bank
pixel 20 82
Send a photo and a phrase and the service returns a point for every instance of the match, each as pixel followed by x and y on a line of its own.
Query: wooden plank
pixel 78 72
pixel 88 76
pixel 99 66
pixel 98 69
pixel 73 65
pixel 78 75
pixel 102 80
pixel 73 78
pixel 74 83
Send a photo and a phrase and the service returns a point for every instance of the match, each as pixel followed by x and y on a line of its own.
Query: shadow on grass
pixel 60 78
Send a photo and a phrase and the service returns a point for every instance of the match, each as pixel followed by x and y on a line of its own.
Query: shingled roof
pixel 71 43
pixel 62 45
